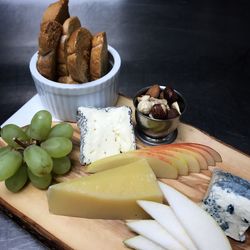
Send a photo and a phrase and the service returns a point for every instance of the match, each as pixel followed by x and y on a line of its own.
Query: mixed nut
pixel 159 103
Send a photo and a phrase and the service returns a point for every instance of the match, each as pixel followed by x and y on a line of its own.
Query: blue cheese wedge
pixel 228 201
pixel 105 132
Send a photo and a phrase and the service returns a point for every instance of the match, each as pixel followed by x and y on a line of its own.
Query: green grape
pixel 26 129
pixel 17 181
pixel 40 182
pixel 9 164
pixel 40 125
pixel 57 147
pixel 61 165
pixel 62 130
pixel 4 150
pixel 10 131
pixel 38 160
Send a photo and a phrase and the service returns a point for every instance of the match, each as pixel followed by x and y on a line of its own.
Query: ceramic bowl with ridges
pixel 62 100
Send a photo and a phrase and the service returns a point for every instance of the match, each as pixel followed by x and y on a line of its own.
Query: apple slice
pixel 161 167
pixel 156 233
pixel 213 153
pixel 209 158
pixel 201 227
pixel 190 156
pixel 193 164
pixel 178 163
pixel 210 150
pixel 202 161
pixel 141 243
pixel 165 216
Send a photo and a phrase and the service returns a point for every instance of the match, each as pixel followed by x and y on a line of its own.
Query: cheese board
pixel 30 207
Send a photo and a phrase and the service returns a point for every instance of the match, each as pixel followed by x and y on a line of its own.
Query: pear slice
pixel 156 233
pixel 165 216
pixel 141 243
pixel 200 226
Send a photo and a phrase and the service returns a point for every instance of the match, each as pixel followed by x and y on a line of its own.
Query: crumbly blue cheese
pixel 228 201
pixel 105 132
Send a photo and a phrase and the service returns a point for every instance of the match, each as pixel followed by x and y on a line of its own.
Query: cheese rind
pixel 105 132
pixel 228 201
pixel 110 194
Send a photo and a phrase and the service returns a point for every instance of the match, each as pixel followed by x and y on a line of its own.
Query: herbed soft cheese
pixel 105 132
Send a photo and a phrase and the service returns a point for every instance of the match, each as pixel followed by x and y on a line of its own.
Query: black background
pixel 201 48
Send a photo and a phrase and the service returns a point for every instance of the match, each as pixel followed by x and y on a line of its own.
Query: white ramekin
pixel 62 100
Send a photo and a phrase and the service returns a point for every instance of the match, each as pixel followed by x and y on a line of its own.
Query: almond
pixel 154 91
pixel 175 105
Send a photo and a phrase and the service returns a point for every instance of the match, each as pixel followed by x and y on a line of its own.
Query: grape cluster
pixel 36 152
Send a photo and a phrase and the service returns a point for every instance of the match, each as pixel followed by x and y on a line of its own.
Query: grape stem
pixel 23 145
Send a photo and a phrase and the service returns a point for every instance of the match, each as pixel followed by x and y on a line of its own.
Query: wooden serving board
pixel 29 207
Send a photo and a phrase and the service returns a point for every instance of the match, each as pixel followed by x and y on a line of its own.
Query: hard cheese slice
pixel 104 132
pixel 111 194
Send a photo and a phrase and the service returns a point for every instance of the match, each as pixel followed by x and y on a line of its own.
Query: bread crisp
pixel 78 68
pixel 46 65
pixel 99 56
pixel 50 33
pixel 67 52
pixel 58 11
pixel 78 54
pixel 69 26
pixel 62 69
pixel 66 79
pixel 61 50
pixel 81 39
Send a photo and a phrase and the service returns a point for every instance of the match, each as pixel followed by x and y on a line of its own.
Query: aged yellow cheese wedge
pixel 110 194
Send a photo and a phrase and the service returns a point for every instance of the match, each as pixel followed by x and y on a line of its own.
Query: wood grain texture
pixel 31 207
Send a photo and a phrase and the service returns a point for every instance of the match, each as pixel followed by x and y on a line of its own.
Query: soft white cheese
pixel 105 132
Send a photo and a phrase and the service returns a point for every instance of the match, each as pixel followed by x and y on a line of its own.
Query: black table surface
pixel 201 48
